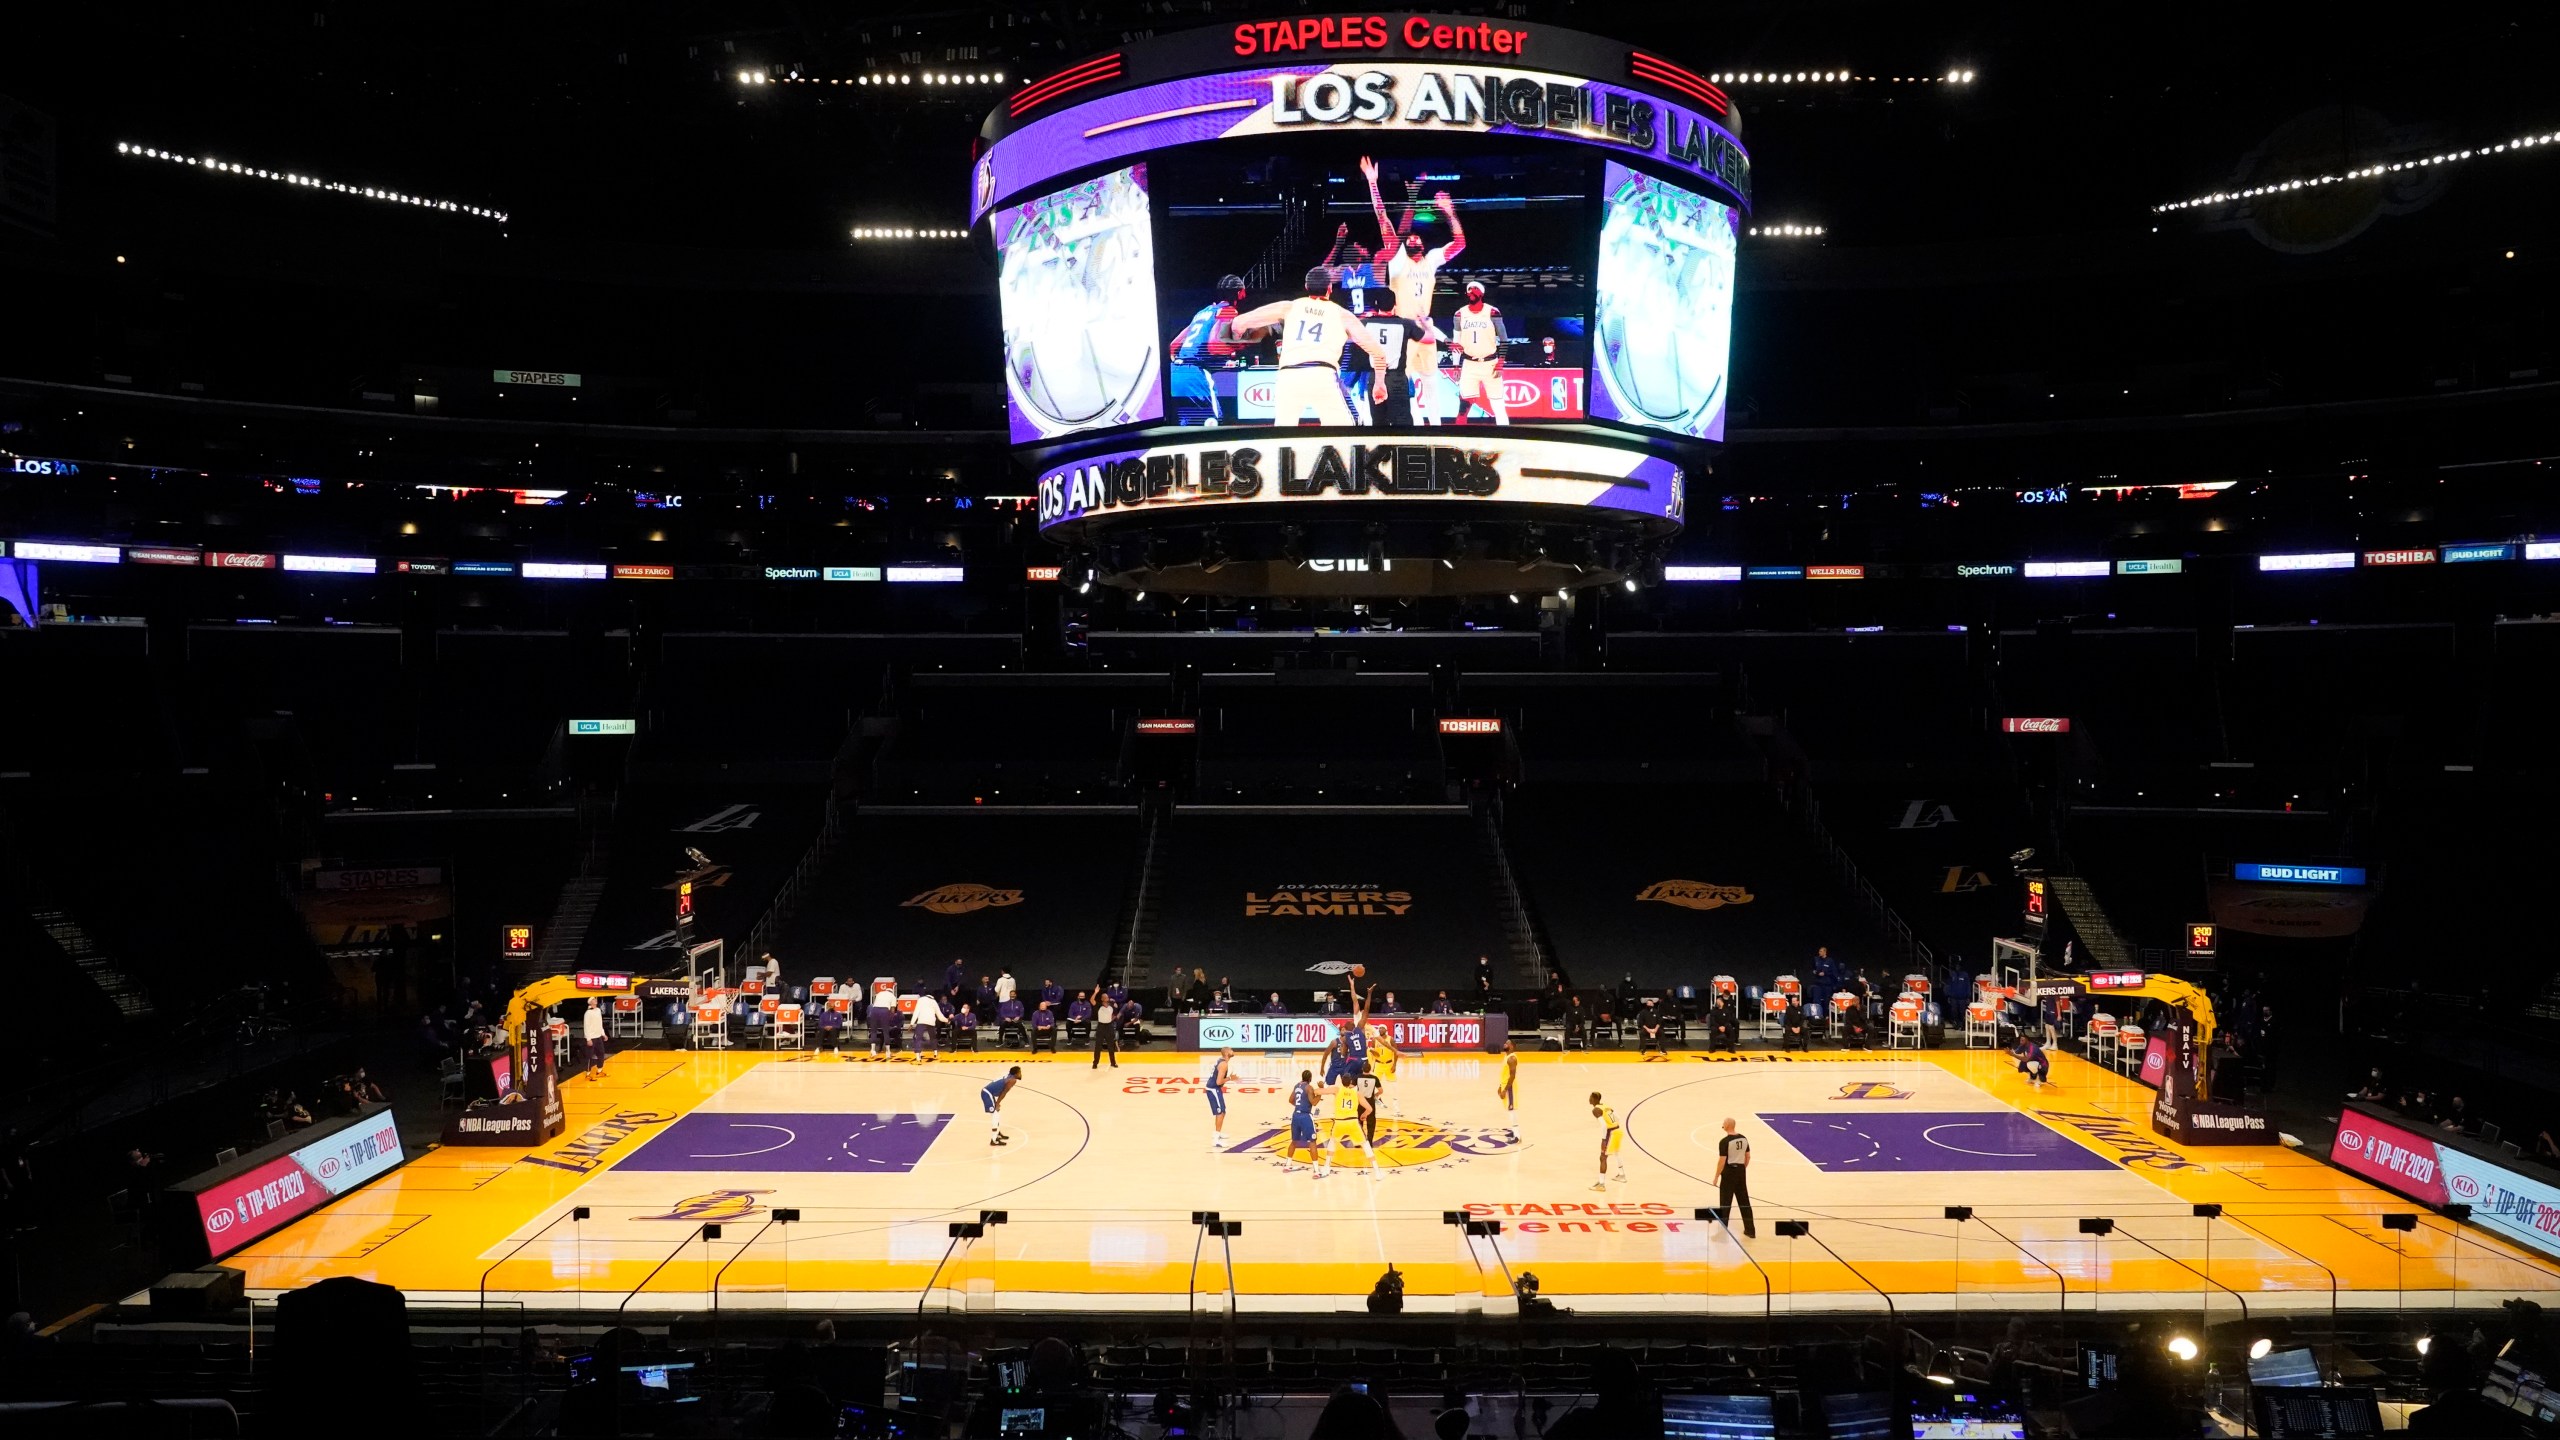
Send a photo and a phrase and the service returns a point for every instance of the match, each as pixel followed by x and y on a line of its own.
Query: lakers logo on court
pixel 1402 1144
pixel 1873 1090
pixel 713 1205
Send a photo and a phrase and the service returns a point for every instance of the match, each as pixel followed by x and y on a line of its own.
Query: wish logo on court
pixel 717 1205
pixel 1873 1090
pixel 1402 1144
pixel 1907 1140
pixel 862 1144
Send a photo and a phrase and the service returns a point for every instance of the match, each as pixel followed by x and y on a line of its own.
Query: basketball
pixel 1359 972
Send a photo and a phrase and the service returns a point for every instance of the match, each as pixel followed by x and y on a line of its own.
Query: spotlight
pixel 1937 1379
pixel 2182 1347
pixel 1630 584
pixel 2425 1343
pixel 2259 1347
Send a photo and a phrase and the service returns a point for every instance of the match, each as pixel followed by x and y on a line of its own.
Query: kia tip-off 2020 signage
pixel 237 1209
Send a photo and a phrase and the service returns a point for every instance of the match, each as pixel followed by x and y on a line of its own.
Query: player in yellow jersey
pixel 1345 1129
pixel 1508 1092
pixel 1312 332
pixel 1611 1137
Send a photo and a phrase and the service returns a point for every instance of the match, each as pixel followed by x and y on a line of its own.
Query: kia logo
pixel 1258 393
pixel 2350 1140
pixel 218 1221
pixel 2465 1186
pixel 1520 394
pixel 328 1166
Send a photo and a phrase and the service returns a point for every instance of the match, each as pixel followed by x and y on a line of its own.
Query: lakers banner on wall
pixel 1695 895
pixel 1276 470
pixel 961 899
pixel 1354 902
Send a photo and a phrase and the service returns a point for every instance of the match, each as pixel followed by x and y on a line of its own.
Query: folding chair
pixel 787 1026
pixel 711 1026
pixel 1773 1015
pixel 2098 1042
pixel 1843 1004
pixel 1905 1030
pixel 1981 1025
pixel 623 1020
pixel 2130 1044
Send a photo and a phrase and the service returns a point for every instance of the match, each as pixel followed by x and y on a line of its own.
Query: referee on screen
pixel 1733 1182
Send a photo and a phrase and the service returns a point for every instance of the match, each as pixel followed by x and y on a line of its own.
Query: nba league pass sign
pixel 1272 469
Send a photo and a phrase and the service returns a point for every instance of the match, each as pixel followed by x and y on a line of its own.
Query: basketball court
pixel 1106 1169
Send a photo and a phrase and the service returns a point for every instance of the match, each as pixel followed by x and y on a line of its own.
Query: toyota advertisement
pixel 269 1195
pixel 2523 1208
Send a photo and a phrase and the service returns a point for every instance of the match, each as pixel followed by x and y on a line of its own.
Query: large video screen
pixel 1322 286
pixel 1664 307
pixel 1076 283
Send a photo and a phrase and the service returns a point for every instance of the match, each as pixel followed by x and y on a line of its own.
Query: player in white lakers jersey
pixel 1479 335
pixel 1413 273
pixel 1312 332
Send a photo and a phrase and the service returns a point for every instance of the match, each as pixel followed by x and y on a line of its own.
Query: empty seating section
pixel 1937 847
pixel 782 699
pixel 2140 702
pixel 2525 654
pixel 754 835
pixel 2305 702
pixel 1629 727
pixel 1036 891
pixel 333 700
pixel 1319 735
pixel 2150 867
pixel 497 697
pixel 1262 894
pixel 1017 738
pixel 1673 884
pixel 81 701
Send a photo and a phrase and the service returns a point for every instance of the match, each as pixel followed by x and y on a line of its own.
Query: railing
pixel 2314 1258
pixel 786 899
pixel 1141 896
pixel 1907 945
pixel 1525 931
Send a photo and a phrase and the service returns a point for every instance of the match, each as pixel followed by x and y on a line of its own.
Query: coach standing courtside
pixel 1106 1031
pixel 1733 1182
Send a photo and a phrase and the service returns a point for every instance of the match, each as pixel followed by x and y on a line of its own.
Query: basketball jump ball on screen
pixel 1359 972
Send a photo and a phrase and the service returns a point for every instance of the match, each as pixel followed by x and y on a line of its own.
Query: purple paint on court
pixel 832 1144
pixel 1903 1140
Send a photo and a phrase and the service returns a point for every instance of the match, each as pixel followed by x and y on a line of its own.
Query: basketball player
pixel 1337 1060
pixel 1302 1120
pixel 1359 274
pixel 1508 1092
pixel 1346 1128
pixel 1611 1137
pixel 1413 273
pixel 1477 328
pixel 1208 340
pixel 1215 1087
pixel 992 1096
pixel 1312 332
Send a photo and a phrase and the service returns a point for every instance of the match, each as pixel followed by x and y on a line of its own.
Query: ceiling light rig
pixel 905 232
pixel 930 79
pixel 1790 232
pixel 1834 77
pixel 2364 172
pixel 308 182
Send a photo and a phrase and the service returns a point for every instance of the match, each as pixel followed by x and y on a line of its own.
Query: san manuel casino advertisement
pixel 1481 272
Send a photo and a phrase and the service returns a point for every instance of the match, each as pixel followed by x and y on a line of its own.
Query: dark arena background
pixel 1173 718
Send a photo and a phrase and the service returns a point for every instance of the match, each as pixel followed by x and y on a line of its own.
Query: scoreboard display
pixel 1455 258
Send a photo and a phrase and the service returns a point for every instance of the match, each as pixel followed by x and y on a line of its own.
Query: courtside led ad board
pixel 2298 874
pixel 604 727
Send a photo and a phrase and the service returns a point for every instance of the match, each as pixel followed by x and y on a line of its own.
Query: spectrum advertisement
pixel 238 1209
pixel 2408 1161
